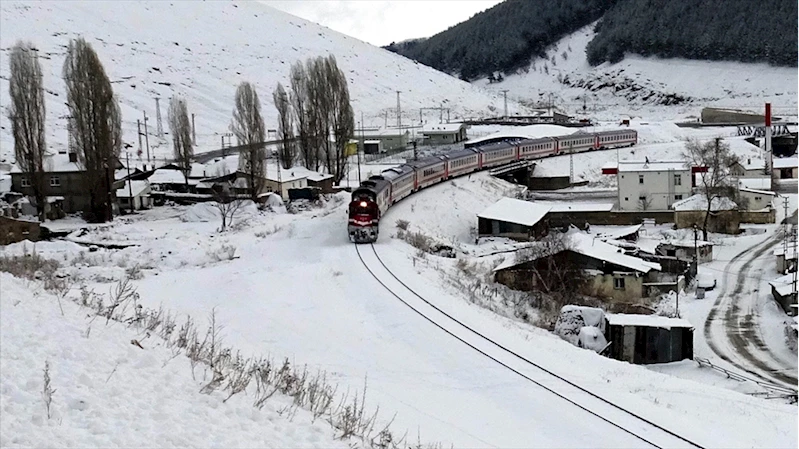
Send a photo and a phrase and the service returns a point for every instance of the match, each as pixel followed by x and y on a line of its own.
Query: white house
pixel 390 138
pixel 652 185
pixel 443 133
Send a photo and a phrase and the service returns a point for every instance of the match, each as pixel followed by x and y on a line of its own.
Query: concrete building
pixel 390 138
pixel 651 185
pixel 443 133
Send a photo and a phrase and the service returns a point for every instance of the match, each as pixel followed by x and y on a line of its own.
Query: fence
pixel 773 390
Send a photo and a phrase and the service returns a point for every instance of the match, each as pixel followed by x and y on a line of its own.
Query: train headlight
pixel 363 203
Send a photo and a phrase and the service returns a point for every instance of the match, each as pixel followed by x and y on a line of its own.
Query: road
pixel 733 327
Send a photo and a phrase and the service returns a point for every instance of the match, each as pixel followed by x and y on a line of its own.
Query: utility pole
pixel 505 94
pixel 130 184
pixel 399 113
pixel 146 137
pixel 696 248
pixel 159 127
pixel 138 128
pixel 785 227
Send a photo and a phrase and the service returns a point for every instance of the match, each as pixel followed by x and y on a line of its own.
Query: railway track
pixel 588 402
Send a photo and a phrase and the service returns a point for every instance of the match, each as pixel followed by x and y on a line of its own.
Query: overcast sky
pixel 383 22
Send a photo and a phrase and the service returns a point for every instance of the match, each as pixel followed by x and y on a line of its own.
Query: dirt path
pixel 732 329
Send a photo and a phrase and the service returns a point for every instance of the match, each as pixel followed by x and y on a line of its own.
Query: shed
pixel 782 290
pixel 136 191
pixel 785 167
pixel 512 218
pixel 646 339
pixel 686 249
pixel 786 256
pixel 443 133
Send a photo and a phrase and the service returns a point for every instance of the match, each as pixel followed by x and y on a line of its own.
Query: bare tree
pixel 287 148
pixel 317 112
pixel 299 102
pixel 644 202
pixel 715 157
pixel 27 116
pixel 248 126
pixel 96 126
pixel 342 120
pixel 228 204
pixel 180 126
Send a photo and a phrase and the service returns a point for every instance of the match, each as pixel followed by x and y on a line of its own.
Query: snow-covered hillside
pixel 639 85
pixel 203 50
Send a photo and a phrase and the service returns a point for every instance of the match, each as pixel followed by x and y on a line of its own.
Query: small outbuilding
pixel 647 339
pixel 786 257
pixel 686 250
pixel 135 192
pixel 785 167
pixel 512 218
pixel 443 133
pixel 782 290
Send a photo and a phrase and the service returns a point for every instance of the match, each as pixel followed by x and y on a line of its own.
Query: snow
pixel 524 132
pixel 785 162
pixel 627 319
pixel 443 128
pixel 516 211
pixel 783 284
pixel 137 187
pixel 699 202
pixel 167 176
pixel 571 206
pixel 154 49
pixel 615 232
pixel 591 338
pixel 652 165
pixel 763 183
pixel 597 249
pixel 109 392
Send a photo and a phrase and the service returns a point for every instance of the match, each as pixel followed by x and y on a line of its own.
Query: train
pixel 374 196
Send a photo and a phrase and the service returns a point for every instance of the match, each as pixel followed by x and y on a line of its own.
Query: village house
pixel 687 250
pixel 724 216
pixel 610 273
pixel 748 168
pixel 443 133
pixel 785 253
pixel 514 219
pixel 65 188
pixel 782 289
pixel 650 185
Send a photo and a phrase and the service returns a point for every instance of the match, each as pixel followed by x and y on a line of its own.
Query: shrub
pixel 403 224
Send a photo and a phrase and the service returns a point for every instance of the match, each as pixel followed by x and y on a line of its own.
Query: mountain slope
pixel 203 50
pixel 641 86
pixel 503 38
pixel 697 29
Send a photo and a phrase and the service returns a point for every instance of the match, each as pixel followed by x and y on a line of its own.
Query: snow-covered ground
pixel 203 50
pixel 295 289
pixel 637 85
pixel 111 393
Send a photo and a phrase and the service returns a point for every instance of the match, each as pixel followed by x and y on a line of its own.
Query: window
pixel 626 198
pixel 55 181
pixel 758 198
pixel 26 182
pixel 642 198
pixel 677 180
pixel 640 179
pixel 618 283
pixel 677 197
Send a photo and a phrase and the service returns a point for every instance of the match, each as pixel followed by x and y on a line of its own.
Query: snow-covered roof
pixel 763 183
pixel 628 319
pixel 783 284
pixel 442 128
pixel 293 174
pixel 759 192
pixel 617 233
pixel 644 166
pixel 511 210
pixel 789 254
pixel 699 202
pixel 687 243
pixel 167 176
pixel 597 249
pixel 785 162
pixel 380 132
pixel 54 163
pixel 138 187
pixel 648 245
pixel 557 206
pixel 526 132
pixel 198 170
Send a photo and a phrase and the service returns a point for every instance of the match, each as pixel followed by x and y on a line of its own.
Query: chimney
pixel 73 157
